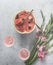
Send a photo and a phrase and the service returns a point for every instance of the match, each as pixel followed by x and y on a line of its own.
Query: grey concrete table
pixel 8 9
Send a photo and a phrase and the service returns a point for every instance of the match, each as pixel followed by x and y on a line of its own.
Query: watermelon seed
pixel 29 27
pixel 30 20
pixel 17 16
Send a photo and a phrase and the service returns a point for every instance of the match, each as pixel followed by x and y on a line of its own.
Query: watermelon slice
pixel 24 54
pixel 8 41
pixel 24 22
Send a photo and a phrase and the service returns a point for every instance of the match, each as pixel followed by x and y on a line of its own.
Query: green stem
pixel 32 52
pixel 49 46
pixel 32 60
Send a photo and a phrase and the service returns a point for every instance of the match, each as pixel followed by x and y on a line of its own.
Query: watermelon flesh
pixel 24 21
pixel 24 54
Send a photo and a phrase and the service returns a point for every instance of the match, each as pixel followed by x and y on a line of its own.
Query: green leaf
pixel 51 51
pixel 49 26
pixel 33 55
pixel 50 46
pixel 38 27
pixel 43 17
pixel 51 18
pixel 32 51
pixel 34 58
pixel 49 39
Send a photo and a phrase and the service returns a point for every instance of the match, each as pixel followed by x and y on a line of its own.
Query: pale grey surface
pixel 8 9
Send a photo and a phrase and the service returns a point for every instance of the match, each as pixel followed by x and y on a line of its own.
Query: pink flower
pixel 37 35
pixel 43 38
pixel 40 48
pixel 41 52
pixel 38 30
pixel 41 55
pixel 40 37
pixel 45 52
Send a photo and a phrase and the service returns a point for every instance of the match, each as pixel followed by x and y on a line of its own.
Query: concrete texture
pixel 8 9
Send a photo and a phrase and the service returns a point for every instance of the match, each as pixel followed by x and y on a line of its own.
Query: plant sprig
pixel 48 33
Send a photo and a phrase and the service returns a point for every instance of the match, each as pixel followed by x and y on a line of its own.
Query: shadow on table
pixel 25 40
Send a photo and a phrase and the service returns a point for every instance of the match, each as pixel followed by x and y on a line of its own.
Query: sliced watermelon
pixel 25 22
pixel 8 41
pixel 24 54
